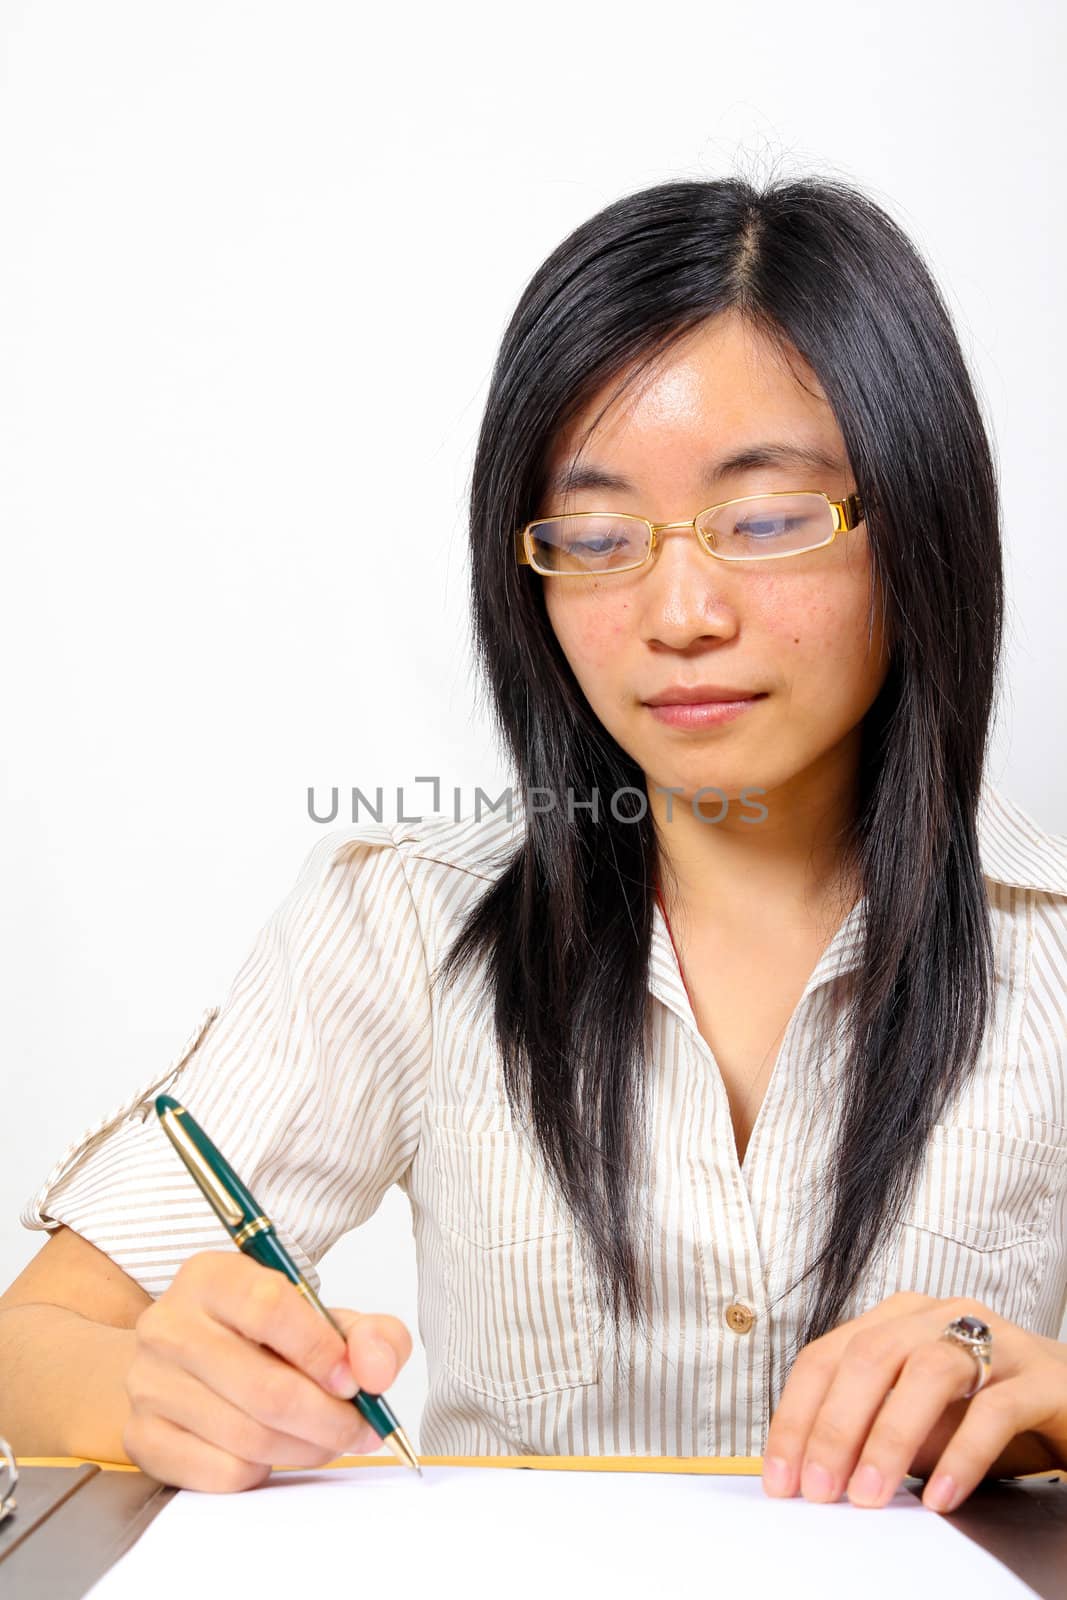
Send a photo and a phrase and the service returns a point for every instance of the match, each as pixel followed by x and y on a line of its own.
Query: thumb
pixel 377 1346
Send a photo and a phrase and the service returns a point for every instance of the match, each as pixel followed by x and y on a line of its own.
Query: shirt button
pixel 739 1317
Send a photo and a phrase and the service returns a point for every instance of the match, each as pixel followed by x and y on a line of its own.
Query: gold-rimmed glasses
pixel 755 527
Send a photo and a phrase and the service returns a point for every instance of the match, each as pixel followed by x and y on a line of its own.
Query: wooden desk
pixel 75 1518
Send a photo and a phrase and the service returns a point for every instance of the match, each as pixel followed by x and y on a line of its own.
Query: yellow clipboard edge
pixel 736 1466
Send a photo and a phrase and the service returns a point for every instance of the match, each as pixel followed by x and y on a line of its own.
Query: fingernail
pixel 816 1482
pixel 865 1484
pixel 776 1474
pixel 940 1492
pixel 342 1382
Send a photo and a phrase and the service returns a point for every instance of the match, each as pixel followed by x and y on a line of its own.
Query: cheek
pixel 798 622
pixel 821 625
pixel 591 636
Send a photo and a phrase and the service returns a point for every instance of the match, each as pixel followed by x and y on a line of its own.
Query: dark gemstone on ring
pixel 973 1326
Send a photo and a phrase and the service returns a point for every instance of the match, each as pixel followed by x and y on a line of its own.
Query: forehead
pixel 723 386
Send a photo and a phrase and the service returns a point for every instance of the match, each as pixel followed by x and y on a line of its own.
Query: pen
pixel 253 1234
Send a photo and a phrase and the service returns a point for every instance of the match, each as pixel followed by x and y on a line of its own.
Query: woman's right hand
pixel 233 1372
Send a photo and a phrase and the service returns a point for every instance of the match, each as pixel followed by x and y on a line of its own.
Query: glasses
pixel 757 527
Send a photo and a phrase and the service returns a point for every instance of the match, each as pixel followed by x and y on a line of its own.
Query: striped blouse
pixel 363 1079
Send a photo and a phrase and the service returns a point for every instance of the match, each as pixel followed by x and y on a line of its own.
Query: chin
pixel 720 785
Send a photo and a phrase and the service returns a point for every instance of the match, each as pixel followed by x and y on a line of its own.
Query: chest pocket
pixel 521 1317
pixel 979 1219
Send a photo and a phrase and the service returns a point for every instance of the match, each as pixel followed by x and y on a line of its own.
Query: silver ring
pixel 976 1336
pixel 9 1476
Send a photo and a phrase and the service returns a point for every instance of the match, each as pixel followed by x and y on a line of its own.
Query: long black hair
pixel 565 930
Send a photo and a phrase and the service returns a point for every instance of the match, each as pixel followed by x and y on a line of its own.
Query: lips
pixel 701 694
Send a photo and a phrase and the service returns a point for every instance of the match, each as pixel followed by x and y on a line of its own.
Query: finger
pixel 872 1348
pixel 167 1452
pixel 264 1306
pixel 806 1387
pixel 378 1345
pixel 805 1390
pixel 159 1388
pixel 247 1374
pixel 933 1375
pixel 996 1415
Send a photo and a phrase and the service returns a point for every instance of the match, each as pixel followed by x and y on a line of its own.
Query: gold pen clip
pixel 217 1196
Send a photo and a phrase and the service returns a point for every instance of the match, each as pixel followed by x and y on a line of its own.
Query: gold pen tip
pixel 400 1445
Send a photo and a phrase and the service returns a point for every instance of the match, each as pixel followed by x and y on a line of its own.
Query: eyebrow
pixel 574 476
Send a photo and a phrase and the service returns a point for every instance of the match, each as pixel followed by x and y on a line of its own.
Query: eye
pixel 597 547
pixel 767 527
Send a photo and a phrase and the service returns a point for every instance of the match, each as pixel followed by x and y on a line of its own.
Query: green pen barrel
pixel 226 1194
pixel 264 1248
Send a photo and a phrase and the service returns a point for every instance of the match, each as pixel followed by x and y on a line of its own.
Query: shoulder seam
pixel 456 866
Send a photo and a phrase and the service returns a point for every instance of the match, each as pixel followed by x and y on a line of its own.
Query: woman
pixel 727 1073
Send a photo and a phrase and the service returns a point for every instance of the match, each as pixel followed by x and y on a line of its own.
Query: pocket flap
pixel 986 1188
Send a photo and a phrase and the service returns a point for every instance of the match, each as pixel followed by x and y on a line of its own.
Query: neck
pixel 790 864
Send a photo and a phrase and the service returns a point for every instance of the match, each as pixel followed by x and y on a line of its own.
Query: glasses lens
pixel 587 542
pixel 768 525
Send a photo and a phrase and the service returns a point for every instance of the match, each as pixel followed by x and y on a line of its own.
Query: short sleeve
pixel 309 1076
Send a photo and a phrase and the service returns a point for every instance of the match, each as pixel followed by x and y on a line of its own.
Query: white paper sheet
pixel 511 1533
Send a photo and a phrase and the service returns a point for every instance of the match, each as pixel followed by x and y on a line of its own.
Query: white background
pixel 256 261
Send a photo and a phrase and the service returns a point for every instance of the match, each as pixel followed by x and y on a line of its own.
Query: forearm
pixel 62 1382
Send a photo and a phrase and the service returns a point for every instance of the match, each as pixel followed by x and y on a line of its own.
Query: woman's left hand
pixel 881 1396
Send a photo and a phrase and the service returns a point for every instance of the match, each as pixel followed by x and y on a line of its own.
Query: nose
pixel 687 594
pixel 663 532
